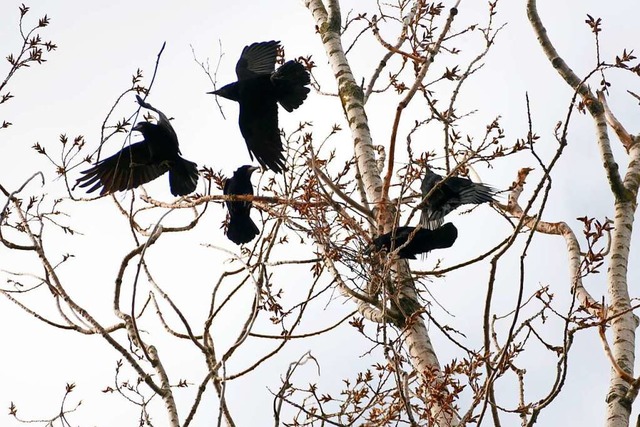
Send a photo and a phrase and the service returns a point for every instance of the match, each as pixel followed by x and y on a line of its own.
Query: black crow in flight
pixel 449 195
pixel 241 228
pixel 144 161
pixel 423 240
pixel 258 90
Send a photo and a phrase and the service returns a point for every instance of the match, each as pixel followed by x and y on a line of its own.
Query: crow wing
pixel 451 194
pixel 469 192
pixel 129 168
pixel 257 59
pixel 258 122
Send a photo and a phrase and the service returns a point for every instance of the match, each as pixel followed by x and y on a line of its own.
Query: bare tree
pixel 319 219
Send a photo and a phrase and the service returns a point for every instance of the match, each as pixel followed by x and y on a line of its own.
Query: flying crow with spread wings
pixel 144 161
pixel 241 228
pixel 449 195
pixel 423 240
pixel 258 90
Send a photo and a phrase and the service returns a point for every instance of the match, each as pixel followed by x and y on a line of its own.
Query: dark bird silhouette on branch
pixel 449 195
pixel 423 240
pixel 144 161
pixel 258 90
pixel 241 228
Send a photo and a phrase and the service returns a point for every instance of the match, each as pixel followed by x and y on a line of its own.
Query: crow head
pixel 229 91
pixel 144 128
pixel 250 169
pixel 245 171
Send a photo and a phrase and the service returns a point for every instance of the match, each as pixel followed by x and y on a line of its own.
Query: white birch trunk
pixel 620 395
pixel 351 94
pixel 623 322
pixel 622 327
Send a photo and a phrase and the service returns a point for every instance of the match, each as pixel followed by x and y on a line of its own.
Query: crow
pixel 241 228
pixel 144 161
pixel 423 240
pixel 258 90
pixel 449 195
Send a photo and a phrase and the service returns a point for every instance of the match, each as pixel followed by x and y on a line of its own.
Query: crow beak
pixel 137 127
pixel 215 92
pixel 252 169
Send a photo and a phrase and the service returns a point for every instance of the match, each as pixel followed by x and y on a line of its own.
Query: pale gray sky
pixel 101 44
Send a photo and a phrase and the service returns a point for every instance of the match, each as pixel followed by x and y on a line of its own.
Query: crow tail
pixel 431 220
pixel 443 237
pixel 241 229
pixel 183 177
pixel 290 81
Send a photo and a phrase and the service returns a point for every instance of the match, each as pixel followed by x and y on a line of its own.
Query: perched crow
pixel 423 240
pixel 451 194
pixel 241 228
pixel 258 90
pixel 144 161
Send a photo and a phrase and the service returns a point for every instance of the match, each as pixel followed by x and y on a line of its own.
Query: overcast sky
pixel 101 44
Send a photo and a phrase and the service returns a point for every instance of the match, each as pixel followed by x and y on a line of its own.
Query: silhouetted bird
pixel 423 240
pixel 258 90
pixel 241 228
pixel 144 161
pixel 451 194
